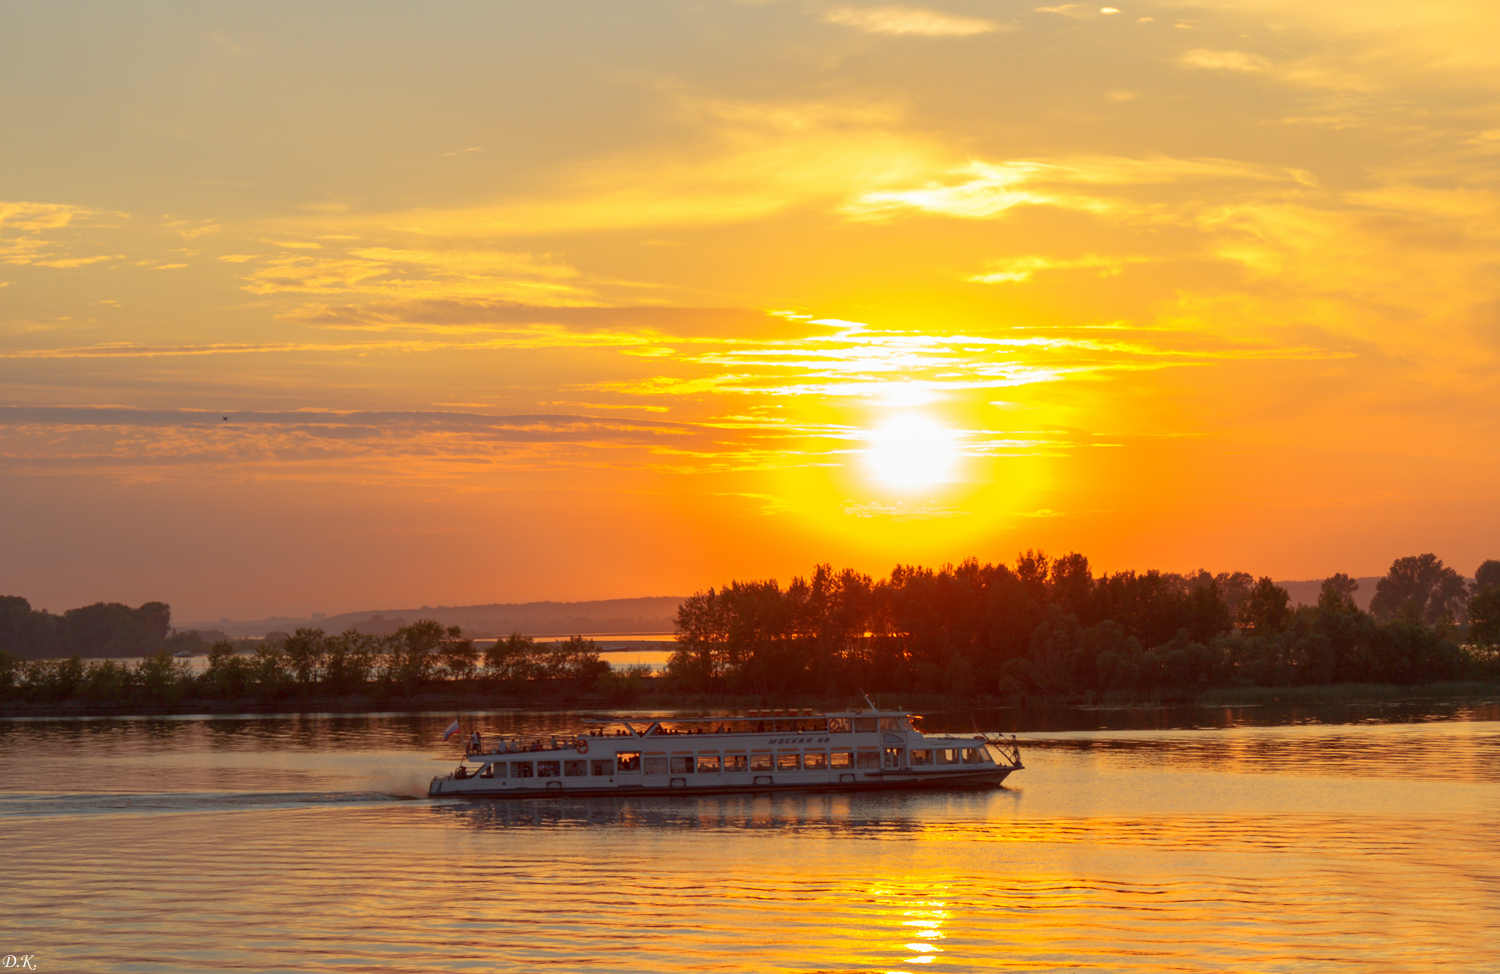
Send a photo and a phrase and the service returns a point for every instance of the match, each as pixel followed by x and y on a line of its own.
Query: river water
pixel 1145 841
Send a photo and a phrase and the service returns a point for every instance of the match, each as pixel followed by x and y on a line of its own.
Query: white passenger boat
pixel 758 752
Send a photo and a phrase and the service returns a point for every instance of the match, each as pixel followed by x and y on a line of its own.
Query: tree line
pixel 101 629
pixel 421 657
pixel 1050 627
pixel 1039 627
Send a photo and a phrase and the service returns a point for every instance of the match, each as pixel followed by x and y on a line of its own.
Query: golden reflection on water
pixel 195 845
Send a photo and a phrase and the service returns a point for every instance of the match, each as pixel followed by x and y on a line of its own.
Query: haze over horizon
pixel 304 308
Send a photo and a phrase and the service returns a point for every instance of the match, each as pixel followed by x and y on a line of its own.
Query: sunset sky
pixel 510 301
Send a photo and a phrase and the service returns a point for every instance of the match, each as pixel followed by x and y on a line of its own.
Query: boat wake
pixel 53 804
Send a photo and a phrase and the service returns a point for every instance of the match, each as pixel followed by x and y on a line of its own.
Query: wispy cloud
pixel 1015 270
pixel 901 511
pixel 1309 72
pixel 860 363
pixel 910 20
pixel 986 191
pixel 1211 60
pixel 20 215
pixel 430 442
pixel 980 190
pixel 412 275
pixel 645 323
pixel 29 234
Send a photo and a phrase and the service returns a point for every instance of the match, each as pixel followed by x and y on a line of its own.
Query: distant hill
pixel 605 616
pixel 1306 593
pixel 652 614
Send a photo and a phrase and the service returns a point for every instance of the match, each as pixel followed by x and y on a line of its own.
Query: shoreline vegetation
pixel 666 701
pixel 1041 632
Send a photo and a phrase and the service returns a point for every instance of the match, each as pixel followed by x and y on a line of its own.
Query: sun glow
pixel 912 453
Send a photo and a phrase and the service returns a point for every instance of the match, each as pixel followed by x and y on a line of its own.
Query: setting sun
pixel 912 453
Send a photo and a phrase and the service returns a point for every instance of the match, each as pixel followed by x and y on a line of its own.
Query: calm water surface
pixel 1131 842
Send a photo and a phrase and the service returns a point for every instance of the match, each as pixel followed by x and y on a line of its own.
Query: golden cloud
pixel 418 274
pixel 1015 270
pixel 981 190
pixel 1224 61
pixel 45 216
pixel 909 20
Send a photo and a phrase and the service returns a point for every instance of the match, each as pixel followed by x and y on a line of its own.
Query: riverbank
pixel 650 699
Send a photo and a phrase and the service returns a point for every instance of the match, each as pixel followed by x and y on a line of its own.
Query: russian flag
pixel 452 729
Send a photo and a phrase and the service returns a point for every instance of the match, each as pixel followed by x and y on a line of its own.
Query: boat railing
pixel 1006 747
pixel 521 746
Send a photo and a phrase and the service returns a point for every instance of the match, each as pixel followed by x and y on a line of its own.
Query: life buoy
pixel 582 747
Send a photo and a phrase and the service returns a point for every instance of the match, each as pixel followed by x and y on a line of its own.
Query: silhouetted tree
pixel 112 629
pixel 512 660
pixel 413 651
pixel 1484 616
pixel 1337 594
pixel 229 674
pixel 1422 586
pixel 1264 610
pixel 349 660
pixel 458 655
pixel 305 652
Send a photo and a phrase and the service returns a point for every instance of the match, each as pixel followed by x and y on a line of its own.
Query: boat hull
pixel 757 784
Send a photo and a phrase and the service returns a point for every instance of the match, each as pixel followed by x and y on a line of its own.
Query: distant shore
pixel 651 700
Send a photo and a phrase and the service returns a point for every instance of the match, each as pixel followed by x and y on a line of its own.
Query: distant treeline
pixel 1043 627
pixel 101 629
pixel 1050 627
pixel 309 664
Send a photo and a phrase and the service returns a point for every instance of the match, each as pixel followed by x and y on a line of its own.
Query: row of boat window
pixel 632 761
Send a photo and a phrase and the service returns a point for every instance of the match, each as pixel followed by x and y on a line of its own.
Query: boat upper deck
pixel 610 734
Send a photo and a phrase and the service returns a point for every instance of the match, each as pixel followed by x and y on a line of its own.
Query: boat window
pixel 602 768
pixel 654 765
pixel 520 769
pixel 840 725
pixel 573 769
pixel 972 755
pixel 891 724
pixel 864 725
pixel 841 759
pixel 760 762
pixel 549 769
pixel 893 757
pixel 708 764
pixel 682 764
pixel 815 761
pixel 736 762
pixel 488 771
pixel 628 761
pixel 921 757
pixel 788 760
pixel 867 759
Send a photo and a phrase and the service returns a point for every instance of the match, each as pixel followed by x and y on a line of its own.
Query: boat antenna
pixel 868 700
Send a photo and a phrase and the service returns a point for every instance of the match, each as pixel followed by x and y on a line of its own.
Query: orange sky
pixel 524 301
